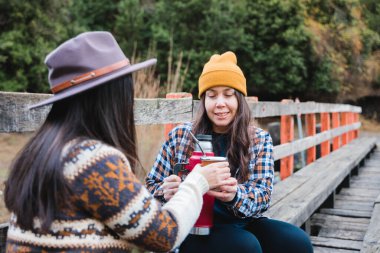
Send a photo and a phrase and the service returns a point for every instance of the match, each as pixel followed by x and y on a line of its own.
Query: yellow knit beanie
pixel 222 70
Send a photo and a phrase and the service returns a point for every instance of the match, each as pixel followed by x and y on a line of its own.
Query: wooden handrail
pixel 15 117
pixel 291 148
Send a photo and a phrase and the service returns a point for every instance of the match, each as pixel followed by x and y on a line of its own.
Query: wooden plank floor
pixel 341 229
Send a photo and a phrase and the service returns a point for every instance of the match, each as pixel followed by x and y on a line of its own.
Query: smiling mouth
pixel 222 114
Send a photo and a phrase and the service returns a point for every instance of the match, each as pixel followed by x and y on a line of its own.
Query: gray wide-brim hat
pixel 84 62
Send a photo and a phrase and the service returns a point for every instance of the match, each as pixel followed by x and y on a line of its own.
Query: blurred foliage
pixel 278 49
pixel 286 48
pixel 29 31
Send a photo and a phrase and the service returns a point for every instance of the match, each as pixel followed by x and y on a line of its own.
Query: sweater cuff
pixel 199 179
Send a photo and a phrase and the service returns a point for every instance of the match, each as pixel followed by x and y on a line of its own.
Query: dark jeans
pixel 262 235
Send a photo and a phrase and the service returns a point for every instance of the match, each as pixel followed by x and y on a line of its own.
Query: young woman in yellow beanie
pixel 239 222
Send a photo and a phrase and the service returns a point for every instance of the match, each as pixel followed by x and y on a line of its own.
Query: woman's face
pixel 221 105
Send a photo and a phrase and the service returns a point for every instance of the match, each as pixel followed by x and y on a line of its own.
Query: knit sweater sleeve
pixel 105 187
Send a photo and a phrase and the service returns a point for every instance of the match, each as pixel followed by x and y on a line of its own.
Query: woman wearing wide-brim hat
pixel 72 187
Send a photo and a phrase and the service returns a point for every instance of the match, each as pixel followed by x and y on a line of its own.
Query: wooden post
pixel 335 124
pixel 169 127
pixel 311 130
pixel 351 121
pixel 252 99
pixel 356 119
pixel 287 135
pixel 344 122
pixel 325 126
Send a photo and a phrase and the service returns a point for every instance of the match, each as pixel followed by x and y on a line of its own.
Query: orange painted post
pixel 311 130
pixel 344 122
pixel 170 126
pixel 350 121
pixel 335 124
pixel 356 119
pixel 287 135
pixel 325 126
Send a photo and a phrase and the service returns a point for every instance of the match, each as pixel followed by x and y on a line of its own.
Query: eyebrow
pixel 225 89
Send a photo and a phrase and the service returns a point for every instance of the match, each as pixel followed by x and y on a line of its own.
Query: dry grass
pixel 148 146
pixel 10 144
pixel 369 125
pixel 147 84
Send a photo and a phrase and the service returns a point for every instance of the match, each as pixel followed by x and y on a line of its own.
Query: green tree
pixel 29 31
pixel 198 29
pixel 276 57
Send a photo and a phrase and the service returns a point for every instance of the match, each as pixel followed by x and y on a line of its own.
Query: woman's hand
pixel 226 192
pixel 170 186
pixel 216 173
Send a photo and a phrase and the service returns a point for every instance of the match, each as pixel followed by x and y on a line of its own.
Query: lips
pixel 221 115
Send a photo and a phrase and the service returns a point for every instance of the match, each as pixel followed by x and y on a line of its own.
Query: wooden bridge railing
pixel 339 125
pixel 339 122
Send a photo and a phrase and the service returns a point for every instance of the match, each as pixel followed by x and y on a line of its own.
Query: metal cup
pixel 206 160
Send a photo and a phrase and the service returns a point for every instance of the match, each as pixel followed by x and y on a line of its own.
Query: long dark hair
pixel 36 187
pixel 239 133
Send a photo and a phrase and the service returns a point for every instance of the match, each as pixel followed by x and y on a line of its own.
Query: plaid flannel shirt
pixel 252 197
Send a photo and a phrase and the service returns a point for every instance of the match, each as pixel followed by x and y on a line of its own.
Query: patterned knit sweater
pixel 111 210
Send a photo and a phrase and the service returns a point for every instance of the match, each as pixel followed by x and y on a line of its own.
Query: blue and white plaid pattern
pixel 253 196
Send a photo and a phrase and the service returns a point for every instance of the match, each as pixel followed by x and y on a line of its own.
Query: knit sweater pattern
pixel 111 210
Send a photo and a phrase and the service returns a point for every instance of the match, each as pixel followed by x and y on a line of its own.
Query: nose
pixel 220 101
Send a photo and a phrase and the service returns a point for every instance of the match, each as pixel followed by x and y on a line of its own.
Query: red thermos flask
pixel 205 221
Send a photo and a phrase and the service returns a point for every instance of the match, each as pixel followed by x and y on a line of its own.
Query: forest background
pixel 321 50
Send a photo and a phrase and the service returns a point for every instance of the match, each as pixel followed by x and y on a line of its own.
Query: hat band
pixel 90 75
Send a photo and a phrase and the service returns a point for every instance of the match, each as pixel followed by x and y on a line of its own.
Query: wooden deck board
pixel 336 243
pixel 332 250
pixel 353 224
pixel 346 213
pixel 353 191
pixel 353 205
pixel 371 242
pixel 304 185
pixel 342 234
pixel 368 199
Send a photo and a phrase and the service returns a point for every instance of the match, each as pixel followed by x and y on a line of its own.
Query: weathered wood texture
pixel 15 116
pixel 346 213
pixel 270 109
pixel 336 243
pixel 273 109
pixel 352 224
pixel 296 198
pixel 297 146
pixel 371 242
pixel 332 250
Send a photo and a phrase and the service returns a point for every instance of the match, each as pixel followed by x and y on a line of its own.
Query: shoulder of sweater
pixel 83 153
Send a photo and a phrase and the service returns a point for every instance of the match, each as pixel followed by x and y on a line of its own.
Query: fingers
pixel 222 196
pixel 169 193
pixel 172 178
pixel 225 179
pixel 170 186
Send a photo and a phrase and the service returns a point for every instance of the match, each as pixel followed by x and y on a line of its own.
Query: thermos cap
pixel 213 158
pixel 203 137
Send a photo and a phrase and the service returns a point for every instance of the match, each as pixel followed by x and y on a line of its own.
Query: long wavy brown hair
pixel 36 187
pixel 239 133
